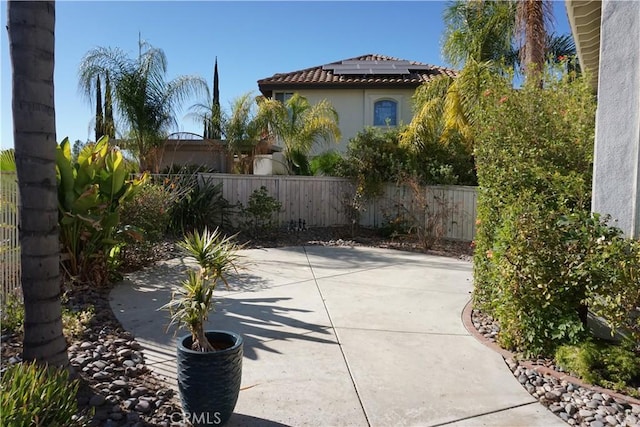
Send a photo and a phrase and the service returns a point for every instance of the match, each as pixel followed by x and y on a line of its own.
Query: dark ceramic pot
pixel 209 382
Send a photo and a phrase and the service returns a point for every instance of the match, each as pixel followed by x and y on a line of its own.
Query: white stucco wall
pixel 355 109
pixel 616 174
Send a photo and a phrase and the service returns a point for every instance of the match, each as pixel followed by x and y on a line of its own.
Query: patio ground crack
pixel 344 357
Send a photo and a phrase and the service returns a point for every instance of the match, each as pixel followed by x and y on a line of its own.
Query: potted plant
pixel 209 362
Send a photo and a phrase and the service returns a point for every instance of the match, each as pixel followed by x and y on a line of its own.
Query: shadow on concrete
pixel 241 420
pixel 261 321
pixel 346 257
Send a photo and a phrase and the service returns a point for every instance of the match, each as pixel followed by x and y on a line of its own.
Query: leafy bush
pixel 74 322
pixel 148 211
pixel 374 158
pixel 12 312
pixel 259 216
pixel 146 218
pixel 198 204
pixel 534 161
pixel 541 258
pixel 605 364
pixel 616 294
pixel 33 395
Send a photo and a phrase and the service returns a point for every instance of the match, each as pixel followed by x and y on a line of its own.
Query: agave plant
pixel 190 305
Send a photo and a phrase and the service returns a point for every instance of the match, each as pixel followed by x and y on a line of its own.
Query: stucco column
pixel 616 173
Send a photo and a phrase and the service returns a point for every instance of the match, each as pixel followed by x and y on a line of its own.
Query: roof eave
pixel 268 88
pixel 584 18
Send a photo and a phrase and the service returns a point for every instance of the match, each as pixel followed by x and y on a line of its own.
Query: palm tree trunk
pixel 31 43
pixel 531 22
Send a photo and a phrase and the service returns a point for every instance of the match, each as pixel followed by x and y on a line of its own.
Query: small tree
pixel 190 305
pixel 299 125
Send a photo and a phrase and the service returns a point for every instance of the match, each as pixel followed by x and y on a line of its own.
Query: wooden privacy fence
pixel 327 201
pixel 319 201
pixel 9 243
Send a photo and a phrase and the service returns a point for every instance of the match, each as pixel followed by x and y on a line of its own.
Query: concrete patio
pixel 339 336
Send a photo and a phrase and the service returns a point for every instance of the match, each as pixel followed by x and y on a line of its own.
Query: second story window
pixel 283 96
pixel 385 113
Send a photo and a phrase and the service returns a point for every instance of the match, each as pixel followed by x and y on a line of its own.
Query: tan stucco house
pixel 368 90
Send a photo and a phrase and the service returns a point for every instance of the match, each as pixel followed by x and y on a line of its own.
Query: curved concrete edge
pixel 543 370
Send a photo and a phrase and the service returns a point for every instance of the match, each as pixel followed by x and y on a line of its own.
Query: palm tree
pixel 299 125
pixel 480 35
pixel 479 31
pixel 243 128
pixel 487 30
pixel 31 28
pixel 531 23
pixel 147 103
pixel 443 106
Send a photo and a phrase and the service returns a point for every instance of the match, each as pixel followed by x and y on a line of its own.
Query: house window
pixel 283 96
pixel 385 113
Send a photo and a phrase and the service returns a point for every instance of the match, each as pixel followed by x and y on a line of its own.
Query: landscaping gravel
pixel 574 404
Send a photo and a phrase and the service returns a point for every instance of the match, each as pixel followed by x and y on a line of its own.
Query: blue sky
pixel 252 40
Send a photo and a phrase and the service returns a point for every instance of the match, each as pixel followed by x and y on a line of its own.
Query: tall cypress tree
pixel 99 116
pixel 212 127
pixel 216 103
pixel 109 125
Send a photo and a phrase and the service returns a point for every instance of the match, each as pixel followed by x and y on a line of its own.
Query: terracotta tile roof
pixel 327 76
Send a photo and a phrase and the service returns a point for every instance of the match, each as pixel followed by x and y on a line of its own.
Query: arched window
pixel 385 113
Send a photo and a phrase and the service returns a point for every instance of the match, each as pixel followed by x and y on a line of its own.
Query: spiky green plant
pixel 190 305
pixel 35 395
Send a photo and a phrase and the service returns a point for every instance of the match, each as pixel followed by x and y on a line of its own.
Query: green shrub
pixel 605 364
pixel 534 161
pixel 328 163
pixel 260 214
pixel 542 260
pixel 198 204
pixel 32 395
pixel 12 312
pixel 146 220
pixel 615 295
pixel 375 157
pixel 75 322
pixel 148 211
pixel 378 156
